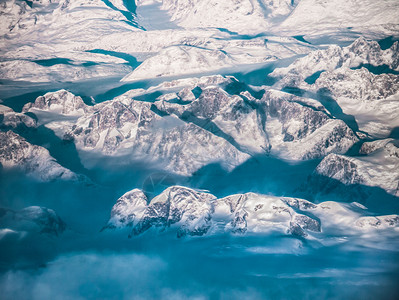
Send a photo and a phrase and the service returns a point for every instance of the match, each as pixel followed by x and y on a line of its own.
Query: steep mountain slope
pixel 378 169
pixel 16 152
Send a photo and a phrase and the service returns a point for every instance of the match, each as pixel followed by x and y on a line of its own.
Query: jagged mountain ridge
pixel 216 127
pixel 359 85
pixel 197 213
pixel 360 52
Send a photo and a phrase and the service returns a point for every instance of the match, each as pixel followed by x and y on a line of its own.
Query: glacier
pixel 199 149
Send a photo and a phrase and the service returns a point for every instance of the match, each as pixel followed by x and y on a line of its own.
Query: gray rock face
pixel 16 152
pixel 287 111
pixel 301 130
pixel 306 223
pixel 32 219
pixel 370 52
pixel 371 99
pixel 370 147
pixel 378 222
pixel 107 119
pixel 232 117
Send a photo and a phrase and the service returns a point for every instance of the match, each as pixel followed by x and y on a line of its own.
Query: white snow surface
pixel 128 209
pixel 180 60
pixel 322 17
pixel 246 31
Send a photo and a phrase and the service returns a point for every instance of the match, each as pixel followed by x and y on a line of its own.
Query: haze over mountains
pixel 266 125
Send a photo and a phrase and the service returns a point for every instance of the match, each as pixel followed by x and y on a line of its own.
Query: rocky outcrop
pixel 369 87
pixel 133 129
pixel 358 84
pixel 233 117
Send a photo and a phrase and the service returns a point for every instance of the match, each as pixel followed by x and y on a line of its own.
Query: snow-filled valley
pixel 199 149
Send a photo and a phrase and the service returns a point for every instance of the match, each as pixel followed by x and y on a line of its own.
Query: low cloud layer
pixel 197 270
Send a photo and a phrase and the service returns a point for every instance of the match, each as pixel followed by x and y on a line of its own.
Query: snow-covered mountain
pixel 197 213
pixel 299 128
pixel 215 127
pixel 360 52
pixel 224 116
pixel 371 99
pixel 11 119
pixel 358 83
pixel 36 161
pixel 128 209
pixel 180 60
pixel 131 129
pixel 61 102
pixel 380 168
pixel 32 219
